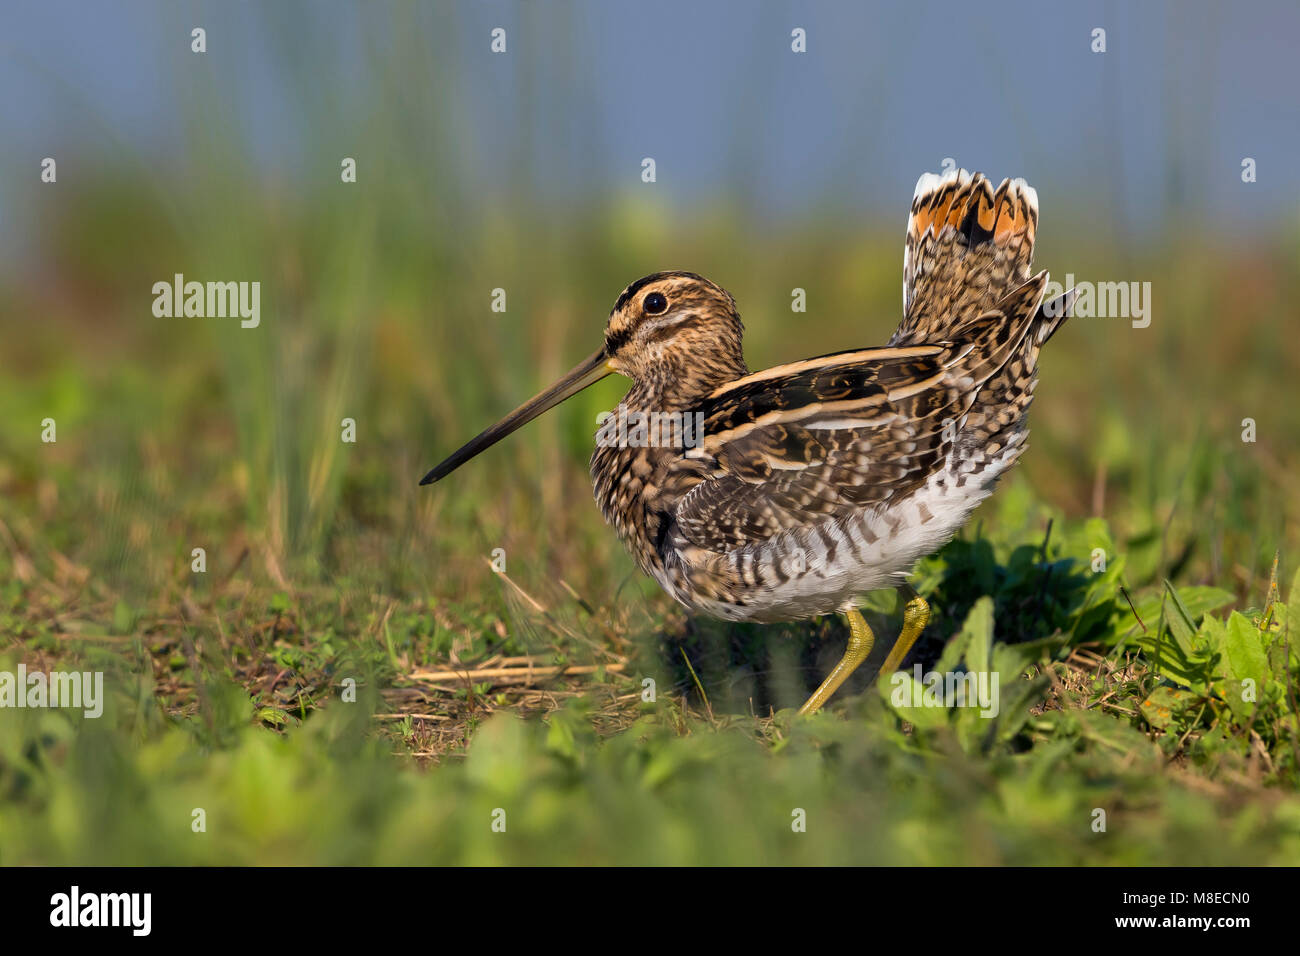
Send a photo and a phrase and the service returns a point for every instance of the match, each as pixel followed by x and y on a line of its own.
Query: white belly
pixel 832 565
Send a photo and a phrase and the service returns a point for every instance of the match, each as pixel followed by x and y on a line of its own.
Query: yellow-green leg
pixel 861 641
pixel 915 616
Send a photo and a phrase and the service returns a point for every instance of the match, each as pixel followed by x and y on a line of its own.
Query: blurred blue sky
pixel 1150 134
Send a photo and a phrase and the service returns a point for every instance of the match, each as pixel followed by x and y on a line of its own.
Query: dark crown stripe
pixel 641 283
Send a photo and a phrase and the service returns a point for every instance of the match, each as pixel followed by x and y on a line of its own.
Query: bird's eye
pixel 655 304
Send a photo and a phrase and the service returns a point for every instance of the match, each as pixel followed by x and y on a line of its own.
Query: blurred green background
pixel 522 171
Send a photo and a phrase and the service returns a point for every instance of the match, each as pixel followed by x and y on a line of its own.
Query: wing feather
pixel 842 433
pixel 823 440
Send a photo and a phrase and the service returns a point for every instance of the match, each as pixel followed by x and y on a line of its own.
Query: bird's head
pixel 675 334
pixel 675 331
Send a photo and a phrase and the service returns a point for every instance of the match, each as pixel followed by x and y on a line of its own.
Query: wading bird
pixel 817 482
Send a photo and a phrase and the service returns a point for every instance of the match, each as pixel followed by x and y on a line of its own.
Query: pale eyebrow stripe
pixel 668 321
pixel 829 361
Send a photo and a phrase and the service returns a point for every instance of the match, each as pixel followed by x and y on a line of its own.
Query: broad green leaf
pixel 1243 646
pixel 1242 698
pixel 1165 705
pixel 1179 619
pixel 1196 601
pixel 906 697
pixel 1200 599
pixel 271 715
pixel 1168 660
pixel 979 625
pixel 1211 633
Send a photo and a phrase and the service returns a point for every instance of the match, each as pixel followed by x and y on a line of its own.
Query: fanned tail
pixel 967 246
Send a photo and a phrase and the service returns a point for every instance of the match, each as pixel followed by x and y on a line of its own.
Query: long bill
pixel 592 369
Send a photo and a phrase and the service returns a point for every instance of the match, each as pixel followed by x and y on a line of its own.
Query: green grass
pixel 1121 692
pixel 1183 771
pixel 1123 687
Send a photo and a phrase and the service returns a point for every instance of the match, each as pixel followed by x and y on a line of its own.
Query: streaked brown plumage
pixel 817 482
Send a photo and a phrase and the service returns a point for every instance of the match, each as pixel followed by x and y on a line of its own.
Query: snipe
pixel 812 484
